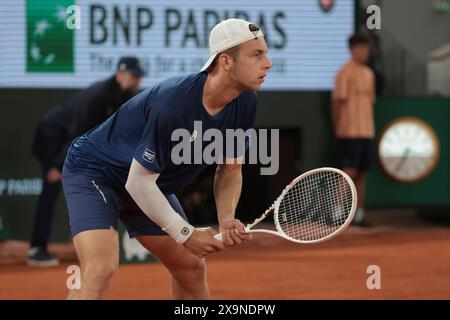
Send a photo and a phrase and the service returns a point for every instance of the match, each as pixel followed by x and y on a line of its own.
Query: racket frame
pixel 275 207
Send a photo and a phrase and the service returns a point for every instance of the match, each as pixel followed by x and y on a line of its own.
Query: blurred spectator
pixel 352 116
pixel 56 130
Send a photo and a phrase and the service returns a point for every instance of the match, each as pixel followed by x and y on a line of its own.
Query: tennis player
pixel 123 169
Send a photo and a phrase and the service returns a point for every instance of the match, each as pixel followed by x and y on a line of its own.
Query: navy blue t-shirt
pixel 142 129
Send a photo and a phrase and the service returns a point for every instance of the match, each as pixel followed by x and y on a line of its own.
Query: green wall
pixel 21 109
pixel 433 191
pixel 308 111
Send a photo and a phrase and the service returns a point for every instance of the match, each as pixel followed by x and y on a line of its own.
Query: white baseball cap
pixel 228 34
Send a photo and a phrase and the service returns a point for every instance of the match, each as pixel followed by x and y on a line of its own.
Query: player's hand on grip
pixel 233 232
pixel 202 242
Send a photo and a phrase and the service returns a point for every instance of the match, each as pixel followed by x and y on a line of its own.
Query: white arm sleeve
pixel 141 184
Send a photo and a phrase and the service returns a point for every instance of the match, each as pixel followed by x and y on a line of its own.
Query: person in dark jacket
pixel 54 134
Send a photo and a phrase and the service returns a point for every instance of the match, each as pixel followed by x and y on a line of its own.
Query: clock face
pixel 408 149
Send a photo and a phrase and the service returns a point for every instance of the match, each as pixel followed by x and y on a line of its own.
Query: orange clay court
pixel 413 255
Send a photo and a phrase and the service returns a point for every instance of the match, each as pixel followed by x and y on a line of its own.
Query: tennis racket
pixel 314 207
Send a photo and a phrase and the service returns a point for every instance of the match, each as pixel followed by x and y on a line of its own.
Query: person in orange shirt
pixel 352 116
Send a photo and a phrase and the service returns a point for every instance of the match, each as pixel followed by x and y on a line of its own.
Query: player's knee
pixel 98 276
pixel 191 273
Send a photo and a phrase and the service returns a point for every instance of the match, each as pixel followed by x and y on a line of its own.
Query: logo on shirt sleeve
pixel 149 155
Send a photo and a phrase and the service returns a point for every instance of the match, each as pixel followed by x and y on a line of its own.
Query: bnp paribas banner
pixel 70 44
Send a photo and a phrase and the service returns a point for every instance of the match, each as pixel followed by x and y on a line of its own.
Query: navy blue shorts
pixel 355 153
pixel 97 203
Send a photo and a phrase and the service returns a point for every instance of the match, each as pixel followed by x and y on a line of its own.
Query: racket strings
pixel 316 206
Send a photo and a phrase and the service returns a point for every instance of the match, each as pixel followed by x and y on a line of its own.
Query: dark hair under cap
pixel 358 38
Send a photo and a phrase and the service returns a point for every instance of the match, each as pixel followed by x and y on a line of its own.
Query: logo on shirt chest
pixel 149 155
pixel 193 136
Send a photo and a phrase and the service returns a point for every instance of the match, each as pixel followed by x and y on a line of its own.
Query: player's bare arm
pixel 227 190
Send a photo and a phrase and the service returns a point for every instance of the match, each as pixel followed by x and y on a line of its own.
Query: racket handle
pixel 217 236
pixel 220 237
